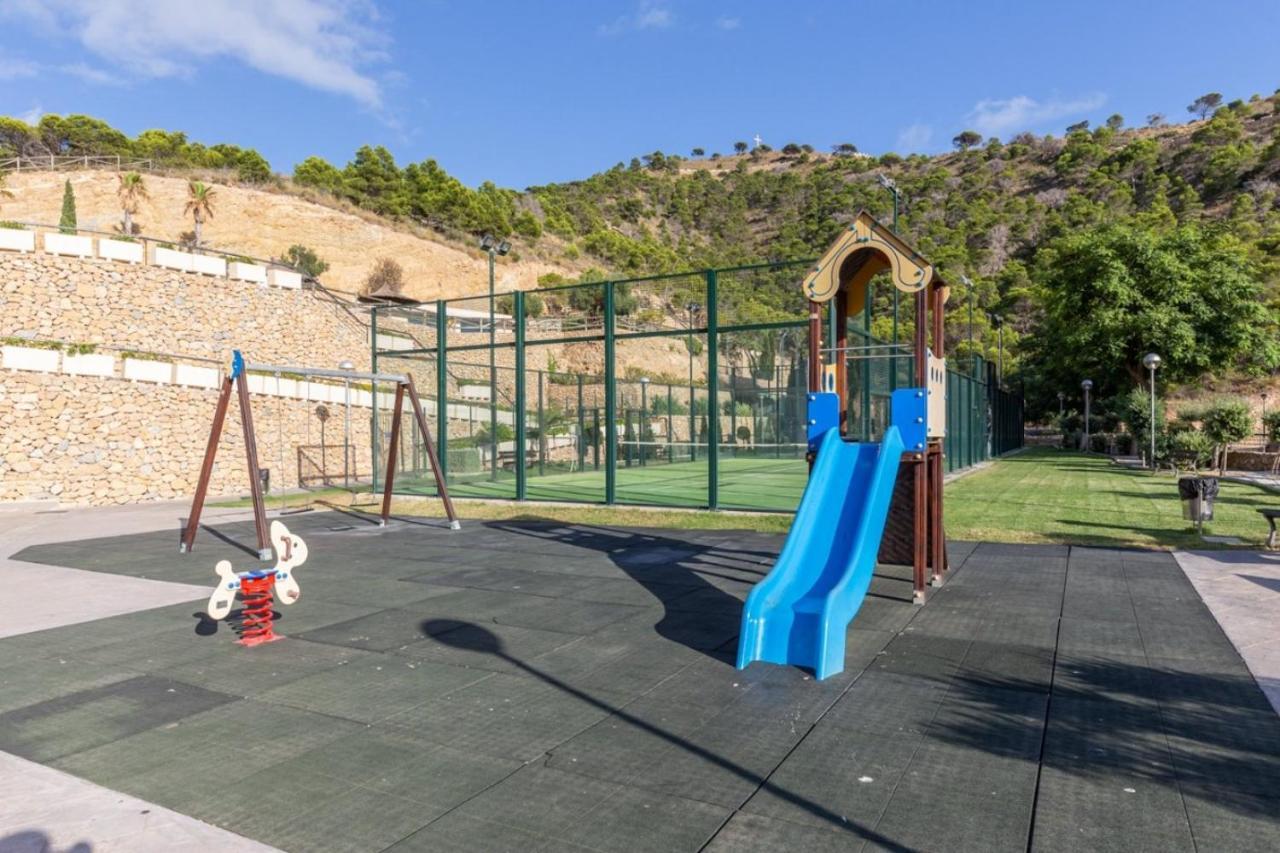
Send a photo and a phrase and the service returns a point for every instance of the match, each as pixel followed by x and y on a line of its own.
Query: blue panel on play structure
pixel 237 364
pixel 823 414
pixel 910 414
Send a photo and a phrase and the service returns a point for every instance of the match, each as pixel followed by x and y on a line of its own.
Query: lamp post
pixel 493 247
pixel 644 414
pixel 998 322
pixel 348 365
pixel 1151 361
pixel 1266 439
pixel 1087 385
pixel 892 186
pixel 693 308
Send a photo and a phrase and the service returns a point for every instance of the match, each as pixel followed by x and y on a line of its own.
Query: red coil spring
pixel 256 618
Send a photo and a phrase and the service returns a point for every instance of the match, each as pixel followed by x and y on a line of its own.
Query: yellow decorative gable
pixel 864 249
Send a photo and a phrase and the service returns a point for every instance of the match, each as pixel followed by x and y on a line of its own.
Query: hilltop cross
pixel 758 140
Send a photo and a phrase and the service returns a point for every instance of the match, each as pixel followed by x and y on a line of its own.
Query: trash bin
pixel 1197 494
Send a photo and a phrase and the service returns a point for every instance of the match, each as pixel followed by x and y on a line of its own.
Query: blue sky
pixel 523 93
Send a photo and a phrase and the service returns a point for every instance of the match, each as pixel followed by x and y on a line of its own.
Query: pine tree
pixel 67 224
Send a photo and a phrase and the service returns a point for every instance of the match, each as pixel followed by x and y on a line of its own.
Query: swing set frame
pixel 237 380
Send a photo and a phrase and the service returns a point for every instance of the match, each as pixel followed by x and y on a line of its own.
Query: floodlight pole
pixel 493 374
pixel 1151 361
pixel 1086 385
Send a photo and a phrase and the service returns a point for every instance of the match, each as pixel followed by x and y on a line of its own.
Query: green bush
pixel 1227 421
pixel 463 460
pixel 12 226
pixel 1193 442
pixel 1271 426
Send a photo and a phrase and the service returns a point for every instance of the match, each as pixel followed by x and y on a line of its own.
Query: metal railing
pixel 44 162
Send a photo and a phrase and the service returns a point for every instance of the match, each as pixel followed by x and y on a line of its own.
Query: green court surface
pixel 750 483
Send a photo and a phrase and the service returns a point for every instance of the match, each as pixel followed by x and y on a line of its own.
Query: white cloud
pixel 998 117
pixel 14 69
pixel 649 16
pixel 90 74
pixel 318 43
pixel 915 138
pixel 726 23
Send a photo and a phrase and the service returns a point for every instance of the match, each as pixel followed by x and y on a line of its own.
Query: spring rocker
pixel 237 380
pixel 865 502
pixel 257 588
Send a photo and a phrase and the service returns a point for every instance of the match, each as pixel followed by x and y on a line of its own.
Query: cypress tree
pixel 67 224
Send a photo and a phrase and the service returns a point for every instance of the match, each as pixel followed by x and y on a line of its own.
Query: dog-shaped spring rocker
pixel 255 588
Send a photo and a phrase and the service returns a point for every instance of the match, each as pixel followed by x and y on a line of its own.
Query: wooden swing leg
pixel 441 488
pixel 255 484
pixel 206 468
pixel 390 477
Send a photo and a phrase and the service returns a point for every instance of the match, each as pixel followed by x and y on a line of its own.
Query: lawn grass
pixel 1047 495
pixel 1041 495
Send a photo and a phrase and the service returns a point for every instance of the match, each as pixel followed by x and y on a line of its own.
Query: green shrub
pixel 1195 443
pixel 1271 426
pixel 12 226
pixel 463 460
pixel 1227 421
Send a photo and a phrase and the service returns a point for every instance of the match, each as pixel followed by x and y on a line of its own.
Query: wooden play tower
pixel 914 532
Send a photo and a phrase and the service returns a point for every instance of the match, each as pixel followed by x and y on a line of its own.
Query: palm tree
pixel 131 192
pixel 199 205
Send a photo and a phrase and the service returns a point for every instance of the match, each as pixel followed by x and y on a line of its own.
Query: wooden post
pixel 920 522
pixel 815 347
pixel 251 454
pixel 206 468
pixel 442 488
pixel 390 477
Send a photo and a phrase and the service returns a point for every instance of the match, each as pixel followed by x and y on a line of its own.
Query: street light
pixel 892 186
pixel 1151 361
pixel 693 308
pixel 644 414
pixel 1061 399
pixel 347 365
pixel 1266 439
pixel 1087 385
pixel 998 322
pixel 493 247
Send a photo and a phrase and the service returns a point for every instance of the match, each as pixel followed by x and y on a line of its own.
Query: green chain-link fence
pixel 702 375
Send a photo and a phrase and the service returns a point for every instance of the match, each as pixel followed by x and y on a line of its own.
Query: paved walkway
pixel 43 809
pixel 1242 589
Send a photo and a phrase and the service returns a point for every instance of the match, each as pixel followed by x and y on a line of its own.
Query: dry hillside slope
pixel 264 224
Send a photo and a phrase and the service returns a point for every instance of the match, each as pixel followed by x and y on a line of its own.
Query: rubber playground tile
pixel 836 778
pixel 1098 606
pixel 722 762
pixel 566 616
pixel 1235 762
pixel 1039 631
pixel 307 614
pixel 594 664
pixel 1224 819
pixel 1173 641
pixel 351 821
pixel 490 647
pixel 1102 676
pixel 39 679
pixel 459 833
pixel 707 682
pixel 639 820
pixel 609 590
pixel 752 833
pixel 506 716
pixel 1223 684
pixel 975 800
pixel 248 671
pixel 371 688
pixel 887 704
pixel 371 592
pixel 539 800
pixel 1013 667
pixel 1122 737
pixel 920 656
pixel 997 721
pixel 51 729
pixel 1086 636
pixel 694 630
pixel 883 614
pixel 380 631
pixel 1108 812
pixel 179 763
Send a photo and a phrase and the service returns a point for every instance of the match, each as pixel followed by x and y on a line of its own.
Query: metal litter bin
pixel 1198 495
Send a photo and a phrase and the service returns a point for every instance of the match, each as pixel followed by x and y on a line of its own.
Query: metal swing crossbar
pixel 237 380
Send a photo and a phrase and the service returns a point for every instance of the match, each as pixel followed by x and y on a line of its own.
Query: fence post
pixel 374 435
pixel 713 394
pixel 442 389
pixel 542 430
pixel 582 449
pixel 610 401
pixel 521 484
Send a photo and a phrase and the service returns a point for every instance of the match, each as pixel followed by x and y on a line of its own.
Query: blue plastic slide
pixel 798 614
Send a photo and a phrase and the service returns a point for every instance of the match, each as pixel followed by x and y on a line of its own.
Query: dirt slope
pixel 264 224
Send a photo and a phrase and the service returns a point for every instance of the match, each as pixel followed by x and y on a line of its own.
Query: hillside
pixel 999 212
pixel 264 224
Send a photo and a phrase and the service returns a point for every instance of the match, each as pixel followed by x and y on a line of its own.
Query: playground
pixel 370 680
